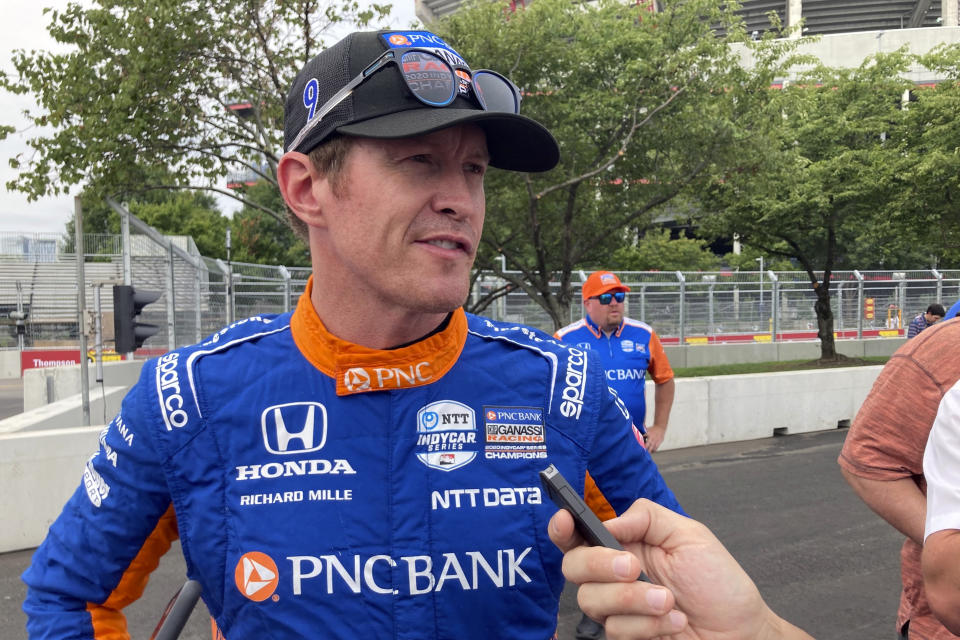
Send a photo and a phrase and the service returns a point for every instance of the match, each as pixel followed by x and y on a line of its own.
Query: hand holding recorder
pixel 705 594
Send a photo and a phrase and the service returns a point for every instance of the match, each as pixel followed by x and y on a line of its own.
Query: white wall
pixel 38 472
pixel 718 409
pixel 701 355
pixel 65 382
pixel 9 364
pixel 67 413
pixel 850 49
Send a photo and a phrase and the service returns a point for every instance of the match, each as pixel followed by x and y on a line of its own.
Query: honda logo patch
pixel 295 427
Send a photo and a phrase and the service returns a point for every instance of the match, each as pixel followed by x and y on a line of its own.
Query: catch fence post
pixel 775 309
pixel 683 295
pixel 859 277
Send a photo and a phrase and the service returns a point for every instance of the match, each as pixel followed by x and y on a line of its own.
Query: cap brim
pixel 614 288
pixel 515 142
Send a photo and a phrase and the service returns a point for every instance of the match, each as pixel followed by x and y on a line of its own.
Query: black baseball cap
pixel 383 107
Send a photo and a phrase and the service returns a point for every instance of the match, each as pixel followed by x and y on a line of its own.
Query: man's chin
pixel 434 302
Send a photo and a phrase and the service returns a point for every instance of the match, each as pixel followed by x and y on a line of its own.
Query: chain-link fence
pixel 39 301
pixel 731 306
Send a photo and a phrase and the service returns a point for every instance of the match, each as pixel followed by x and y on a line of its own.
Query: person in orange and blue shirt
pixel 628 349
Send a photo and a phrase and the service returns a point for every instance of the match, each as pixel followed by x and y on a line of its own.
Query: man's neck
pixel 375 328
pixel 606 330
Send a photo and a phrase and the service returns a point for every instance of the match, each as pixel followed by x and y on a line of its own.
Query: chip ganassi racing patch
pixel 514 433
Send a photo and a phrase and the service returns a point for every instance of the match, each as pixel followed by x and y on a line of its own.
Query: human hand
pixel 655 436
pixel 705 594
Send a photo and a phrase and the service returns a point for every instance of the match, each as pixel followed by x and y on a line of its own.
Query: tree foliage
pixel 148 84
pixel 260 238
pixel 821 179
pixel 925 211
pixel 184 213
pixel 656 251
pixel 644 105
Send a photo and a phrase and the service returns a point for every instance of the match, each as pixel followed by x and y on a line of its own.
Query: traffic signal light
pixel 127 305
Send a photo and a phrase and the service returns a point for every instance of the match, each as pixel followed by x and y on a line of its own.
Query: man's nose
pixel 457 195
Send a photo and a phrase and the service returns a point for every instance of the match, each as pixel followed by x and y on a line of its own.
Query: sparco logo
pixel 256 576
pixel 168 388
pixel 295 427
pixel 575 382
pixel 97 489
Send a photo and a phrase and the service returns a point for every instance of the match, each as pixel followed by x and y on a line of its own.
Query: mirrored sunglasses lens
pixel 430 78
pixel 607 298
pixel 495 93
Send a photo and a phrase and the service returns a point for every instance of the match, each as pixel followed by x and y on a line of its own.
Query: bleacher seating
pixel 820 16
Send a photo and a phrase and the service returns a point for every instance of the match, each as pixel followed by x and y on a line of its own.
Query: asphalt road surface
pixel 820 557
pixel 11 397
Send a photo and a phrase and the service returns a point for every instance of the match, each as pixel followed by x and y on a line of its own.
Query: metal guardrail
pixel 38 278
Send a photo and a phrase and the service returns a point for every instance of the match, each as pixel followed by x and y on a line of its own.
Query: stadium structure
pixel 849 30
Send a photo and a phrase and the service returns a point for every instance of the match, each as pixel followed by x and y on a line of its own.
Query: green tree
pixel 185 213
pixel 644 104
pixel 188 214
pixel 155 84
pixel 262 239
pixel 820 180
pixel 656 251
pixel 747 260
pixel 926 210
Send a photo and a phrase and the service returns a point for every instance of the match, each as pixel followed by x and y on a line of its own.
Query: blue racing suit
pixel 323 489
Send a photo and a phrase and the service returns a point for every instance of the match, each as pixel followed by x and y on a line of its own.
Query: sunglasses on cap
pixel 607 298
pixel 429 78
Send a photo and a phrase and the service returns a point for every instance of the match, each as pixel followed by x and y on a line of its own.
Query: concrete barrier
pixel 38 472
pixel 703 355
pixel 40 466
pixel 66 413
pixel 9 364
pixel 50 384
pixel 716 409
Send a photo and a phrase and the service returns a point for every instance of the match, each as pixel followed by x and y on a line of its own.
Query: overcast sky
pixel 28 31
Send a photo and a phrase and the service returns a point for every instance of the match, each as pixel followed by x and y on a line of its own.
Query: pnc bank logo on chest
pixel 294 427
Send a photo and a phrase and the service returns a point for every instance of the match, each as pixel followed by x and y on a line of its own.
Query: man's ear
pixel 297 179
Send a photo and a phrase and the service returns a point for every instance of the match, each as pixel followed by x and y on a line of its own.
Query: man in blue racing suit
pixel 366 465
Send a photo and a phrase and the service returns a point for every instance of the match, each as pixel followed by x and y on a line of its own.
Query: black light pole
pixel 229 282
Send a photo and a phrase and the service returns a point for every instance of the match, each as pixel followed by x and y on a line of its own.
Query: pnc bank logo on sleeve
pixel 294 427
pixel 256 576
